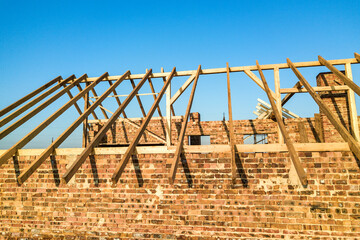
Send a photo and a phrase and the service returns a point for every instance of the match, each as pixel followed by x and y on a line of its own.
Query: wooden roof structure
pixel 11 114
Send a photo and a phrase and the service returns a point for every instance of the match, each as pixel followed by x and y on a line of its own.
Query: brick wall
pixel 203 202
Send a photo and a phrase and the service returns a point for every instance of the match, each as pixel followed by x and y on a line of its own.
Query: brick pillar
pixel 338 103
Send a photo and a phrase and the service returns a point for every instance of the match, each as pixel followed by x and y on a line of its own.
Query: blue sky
pixel 40 40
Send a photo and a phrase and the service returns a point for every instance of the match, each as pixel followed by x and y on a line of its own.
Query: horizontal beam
pixel 235 69
pixel 246 148
pixel 316 89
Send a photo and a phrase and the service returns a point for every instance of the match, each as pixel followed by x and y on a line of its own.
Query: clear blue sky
pixel 40 40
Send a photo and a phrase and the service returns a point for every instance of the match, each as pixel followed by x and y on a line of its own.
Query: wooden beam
pixel 38 109
pixel 34 101
pixel 182 88
pixel 278 100
pixel 130 150
pixel 80 160
pixel 29 96
pixel 237 69
pixel 117 99
pixel 169 89
pixel 302 131
pixel 340 75
pixel 153 91
pixel 87 98
pixel 293 154
pixel 48 151
pixel 138 98
pixel 357 56
pixel 289 95
pixel 319 127
pixel 352 105
pixel 231 128
pixel 101 106
pixel 85 122
pixel 353 144
pixel 258 81
pixel 10 152
pixel 316 89
pixel 179 147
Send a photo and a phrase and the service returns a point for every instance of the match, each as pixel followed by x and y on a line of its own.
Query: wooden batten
pixel 340 75
pixel 80 160
pixel 130 150
pixel 179 147
pixel 353 144
pixel 293 153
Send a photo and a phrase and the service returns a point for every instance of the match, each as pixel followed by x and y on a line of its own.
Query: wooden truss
pixel 16 114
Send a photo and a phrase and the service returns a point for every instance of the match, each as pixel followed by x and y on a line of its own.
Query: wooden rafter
pixel 38 109
pixel 117 99
pixel 258 81
pixel 130 150
pixel 179 147
pixel 293 153
pixel 231 128
pixel 138 98
pixel 29 96
pixel 153 91
pixel 353 144
pixel 357 56
pixel 35 164
pixel 86 98
pixel 352 106
pixel 10 152
pixel 80 160
pixel 171 107
pixel 340 75
pixel 101 106
pixel 34 101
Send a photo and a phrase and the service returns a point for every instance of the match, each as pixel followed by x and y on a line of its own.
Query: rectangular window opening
pixel 199 140
pixel 255 139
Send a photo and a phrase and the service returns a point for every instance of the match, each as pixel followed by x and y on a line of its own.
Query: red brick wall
pixel 203 203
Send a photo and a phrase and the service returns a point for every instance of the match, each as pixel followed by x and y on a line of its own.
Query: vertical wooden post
pixel 278 100
pixel 319 127
pixel 231 128
pixel 168 113
pixel 85 122
pixel 352 105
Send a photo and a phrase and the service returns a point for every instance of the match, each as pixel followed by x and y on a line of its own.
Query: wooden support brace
pixel 38 109
pixel 80 160
pixel 34 101
pixel 138 98
pixel 130 150
pixel 353 144
pixel 29 96
pixel 42 126
pixel 340 75
pixel 101 106
pixel 289 95
pixel 293 154
pixel 258 81
pixel 231 128
pixel 302 131
pixel 49 150
pixel 179 147
pixel 352 105
pixel 182 88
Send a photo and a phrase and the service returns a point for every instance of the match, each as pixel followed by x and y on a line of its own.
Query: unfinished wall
pixel 203 203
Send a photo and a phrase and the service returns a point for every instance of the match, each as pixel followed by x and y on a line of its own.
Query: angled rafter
pixel 34 101
pixel 164 79
pixel 340 75
pixel 138 98
pixel 35 164
pixel 179 147
pixel 39 108
pixel 101 106
pixel 29 96
pixel 258 81
pixel 80 160
pixel 117 99
pixel 182 88
pixel 45 123
pixel 353 144
pixel 231 128
pixel 357 56
pixel 129 151
pixel 293 154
